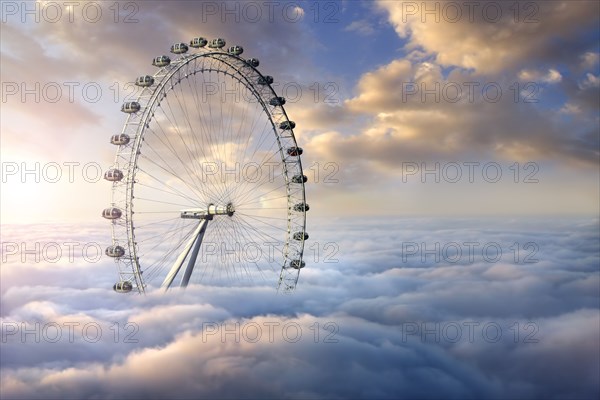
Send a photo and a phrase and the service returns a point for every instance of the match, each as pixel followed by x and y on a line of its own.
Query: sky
pixel 374 89
pixel 452 154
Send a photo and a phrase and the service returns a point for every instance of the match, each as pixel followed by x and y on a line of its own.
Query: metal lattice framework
pixel 207 165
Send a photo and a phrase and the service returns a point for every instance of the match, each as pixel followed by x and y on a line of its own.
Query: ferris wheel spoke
pixel 231 258
pixel 167 144
pixel 201 117
pixel 263 216
pixel 258 146
pixel 157 222
pixel 186 114
pixel 248 236
pixel 216 133
pixel 220 163
pixel 243 200
pixel 259 200
pixel 190 167
pixel 162 202
pixel 241 155
pixel 204 128
pixel 166 237
pixel 173 174
pixel 263 222
pixel 174 193
pixel 246 224
pixel 244 242
pixel 192 173
pixel 158 265
pixel 262 164
pixel 176 229
pixel 193 135
pixel 243 189
pixel 164 261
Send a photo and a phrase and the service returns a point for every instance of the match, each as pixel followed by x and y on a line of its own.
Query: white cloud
pixel 590 81
pixel 362 27
pixel 589 60
pixel 570 108
pixel 368 305
pixel 552 76
pixel 489 41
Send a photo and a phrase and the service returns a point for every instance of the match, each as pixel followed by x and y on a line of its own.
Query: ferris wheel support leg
pixel 192 262
pixel 177 265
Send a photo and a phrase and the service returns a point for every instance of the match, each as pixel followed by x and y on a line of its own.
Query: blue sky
pixel 398 181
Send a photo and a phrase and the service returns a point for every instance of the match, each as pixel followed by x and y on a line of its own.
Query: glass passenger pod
pixel 119 140
pixel 300 236
pixel 287 125
pixel 179 48
pixel 198 42
pixel 115 251
pixel 235 50
pixel 277 101
pixel 161 61
pixel 112 213
pixel 130 107
pixel 113 175
pixel 299 179
pixel 253 62
pixel 144 81
pixel 301 207
pixel 123 287
pixel 297 264
pixel 265 80
pixel 217 43
pixel 295 151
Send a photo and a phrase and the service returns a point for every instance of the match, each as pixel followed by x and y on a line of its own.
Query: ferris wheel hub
pixel 208 212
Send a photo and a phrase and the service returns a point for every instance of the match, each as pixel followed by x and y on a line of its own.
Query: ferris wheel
pixel 207 181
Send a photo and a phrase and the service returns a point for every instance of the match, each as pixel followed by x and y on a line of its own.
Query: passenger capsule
pixel 179 48
pixel 300 236
pixel 144 81
pixel 113 175
pixel 123 287
pixel 235 50
pixel 217 43
pixel 295 151
pixel 198 42
pixel 277 101
pixel 287 125
pixel 119 140
pixel 161 61
pixel 265 80
pixel 300 207
pixel 297 264
pixel 253 62
pixel 115 251
pixel 299 179
pixel 111 213
pixel 130 107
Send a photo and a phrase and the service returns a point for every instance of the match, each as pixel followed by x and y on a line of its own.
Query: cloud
pixel 482 37
pixel 465 87
pixel 590 60
pixel 591 81
pixel 372 324
pixel 362 27
pixel 552 76
pixel 417 113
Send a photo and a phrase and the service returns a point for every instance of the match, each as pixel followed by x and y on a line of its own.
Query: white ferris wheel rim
pixel 131 266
